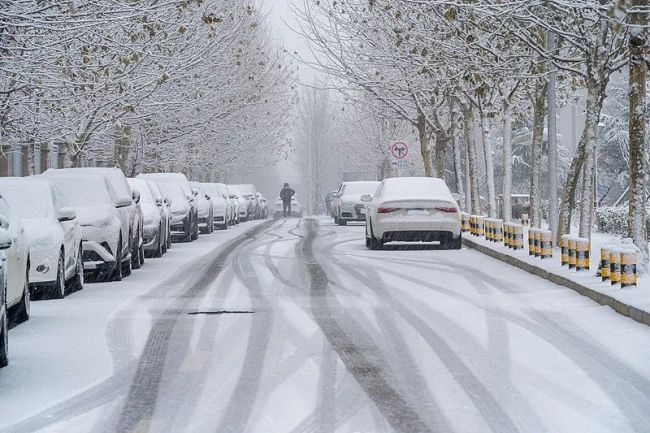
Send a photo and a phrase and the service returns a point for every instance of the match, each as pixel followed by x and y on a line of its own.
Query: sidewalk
pixel 633 302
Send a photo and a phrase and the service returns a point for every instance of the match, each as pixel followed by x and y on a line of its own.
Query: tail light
pixel 387 209
pixel 446 209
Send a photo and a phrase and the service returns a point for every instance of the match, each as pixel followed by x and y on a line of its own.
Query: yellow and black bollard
pixel 464 222
pixel 506 234
pixel 564 250
pixel 614 266
pixel 582 254
pixel 472 225
pixel 603 266
pixel 537 242
pixel 531 241
pixel 480 226
pixel 628 267
pixel 517 237
pixel 572 252
pixel 546 244
pixel 498 230
pixel 487 222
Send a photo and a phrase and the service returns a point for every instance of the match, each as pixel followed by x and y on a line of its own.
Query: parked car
pixel 16 265
pixel 413 209
pixel 184 219
pixel 347 205
pixel 123 196
pixel 154 234
pixel 104 228
pixel 204 206
pixel 164 205
pixel 264 206
pixel 220 205
pixel 296 208
pixel 5 243
pixel 234 203
pixel 52 232
pixel 243 203
pixel 250 193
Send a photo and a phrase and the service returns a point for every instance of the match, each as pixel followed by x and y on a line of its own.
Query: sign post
pixel 399 151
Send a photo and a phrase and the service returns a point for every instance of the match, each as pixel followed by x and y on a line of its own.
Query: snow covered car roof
pixel 415 188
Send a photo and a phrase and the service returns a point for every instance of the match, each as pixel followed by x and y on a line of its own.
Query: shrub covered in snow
pixel 613 219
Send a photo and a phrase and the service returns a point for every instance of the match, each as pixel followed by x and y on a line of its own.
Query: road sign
pixel 399 150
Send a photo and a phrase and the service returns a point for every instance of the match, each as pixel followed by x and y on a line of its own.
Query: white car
pixel 220 205
pixel 16 265
pixel 296 208
pixel 234 203
pixel 5 243
pixel 123 198
pixel 103 229
pixel 184 218
pixel 413 209
pixel 53 235
pixel 347 205
pixel 204 207
pixel 154 226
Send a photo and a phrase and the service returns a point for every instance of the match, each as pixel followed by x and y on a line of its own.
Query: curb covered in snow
pixel 621 307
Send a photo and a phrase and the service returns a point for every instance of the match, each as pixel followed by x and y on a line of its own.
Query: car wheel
pixel 336 220
pixel 160 248
pixel 78 283
pixel 342 222
pixel 57 291
pixel 4 341
pixel 141 252
pixel 117 271
pixel 455 243
pixel 195 233
pixel 23 308
pixel 127 268
pixel 375 244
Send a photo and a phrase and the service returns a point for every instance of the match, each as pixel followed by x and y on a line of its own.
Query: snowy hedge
pixel 613 219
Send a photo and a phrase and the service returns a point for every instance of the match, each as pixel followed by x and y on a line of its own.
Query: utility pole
pixel 552 139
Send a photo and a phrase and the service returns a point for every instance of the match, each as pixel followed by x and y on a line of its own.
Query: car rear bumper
pixel 418 236
pixel 392 226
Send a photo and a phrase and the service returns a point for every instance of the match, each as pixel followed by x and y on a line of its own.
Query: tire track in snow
pixel 237 414
pixel 141 400
pixel 363 363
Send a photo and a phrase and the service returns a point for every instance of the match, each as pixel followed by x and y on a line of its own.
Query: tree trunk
pixel 440 153
pixel 489 165
pixel 458 167
pixel 552 140
pixel 539 110
pixel 122 145
pixel 592 118
pixel 425 150
pixel 507 163
pixel 637 133
pixel 468 119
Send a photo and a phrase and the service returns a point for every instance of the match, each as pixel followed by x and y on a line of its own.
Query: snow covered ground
pixel 326 336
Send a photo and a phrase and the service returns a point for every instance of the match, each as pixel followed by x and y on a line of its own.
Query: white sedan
pixel 413 209
pixel 16 254
pixel 53 234
pixel 347 204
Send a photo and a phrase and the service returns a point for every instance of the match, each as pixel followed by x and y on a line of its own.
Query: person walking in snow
pixel 285 194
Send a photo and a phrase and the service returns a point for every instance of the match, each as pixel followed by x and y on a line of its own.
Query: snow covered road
pixel 296 327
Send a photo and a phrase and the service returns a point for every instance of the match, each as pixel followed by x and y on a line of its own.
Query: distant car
pixel 220 205
pixel 154 231
pixel 264 206
pixel 413 209
pixel 243 203
pixel 103 229
pixel 347 205
pixel 296 208
pixel 204 206
pixel 5 243
pixel 123 197
pixel 16 265
pixel 53 235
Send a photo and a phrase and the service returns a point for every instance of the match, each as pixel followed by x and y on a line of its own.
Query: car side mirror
pixel 67 214
pixel 4 222
pixel 366 197
pixel 159 201
pixel 207 197
pixel 456 196
pixel 168 201
pixel 190 198
pixel 5 239
pixel 135 194
pixel 195 191
pixel 232 196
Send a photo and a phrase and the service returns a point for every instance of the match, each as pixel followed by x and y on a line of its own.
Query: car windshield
pixel 422 187
pixel 143 189
pixel 175 193
pixel 28 199
pixel 360 188
pixel 83 190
